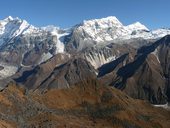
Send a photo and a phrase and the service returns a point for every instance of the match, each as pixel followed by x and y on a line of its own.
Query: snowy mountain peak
pixel 12 19
pixel 110 29
pixel 9 18
pixel 101 30
pixel 137 26
pixel 52 29
pixel 110 21
pixel 12 27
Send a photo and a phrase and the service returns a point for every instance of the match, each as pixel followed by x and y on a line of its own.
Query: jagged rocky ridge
pixel 145 77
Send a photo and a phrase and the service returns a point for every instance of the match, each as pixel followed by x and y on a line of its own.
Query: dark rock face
pixel 108 67
pixel 68 74
pixel 1 67
pixel 164 57
pixel 148 79
pixel 32 78
pixel 65 74
pixel 147 76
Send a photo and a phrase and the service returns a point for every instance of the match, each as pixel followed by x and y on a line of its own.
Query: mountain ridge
pixel 32 49
pixel 98 73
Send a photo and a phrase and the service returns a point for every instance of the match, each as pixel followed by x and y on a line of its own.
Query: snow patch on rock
pixel 8 70
pixel 45 57
pixel 55 31
pixel 165 106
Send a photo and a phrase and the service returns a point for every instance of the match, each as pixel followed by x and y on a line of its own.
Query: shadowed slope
pixel 86 104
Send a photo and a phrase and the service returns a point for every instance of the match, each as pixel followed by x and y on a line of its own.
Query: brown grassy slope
pixel 85 105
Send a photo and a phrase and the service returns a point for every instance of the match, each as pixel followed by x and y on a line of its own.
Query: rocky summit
pixel 98 73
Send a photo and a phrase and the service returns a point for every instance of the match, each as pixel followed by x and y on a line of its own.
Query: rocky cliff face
pixel 62 76
pixel 145 76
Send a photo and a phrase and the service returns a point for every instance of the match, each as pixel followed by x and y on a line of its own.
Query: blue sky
pixel 66 13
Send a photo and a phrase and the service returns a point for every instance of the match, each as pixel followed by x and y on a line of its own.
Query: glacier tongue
pixel 60 34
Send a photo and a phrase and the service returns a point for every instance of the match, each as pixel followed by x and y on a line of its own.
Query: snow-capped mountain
pixel 24 45
pixel 89 31
pixel 136 27
pixel 102 29
pixel 13 27
pixel 110 28
pixel 105 45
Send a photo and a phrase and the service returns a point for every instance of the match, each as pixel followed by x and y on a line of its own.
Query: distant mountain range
pixel 53 77
pixel 131 58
